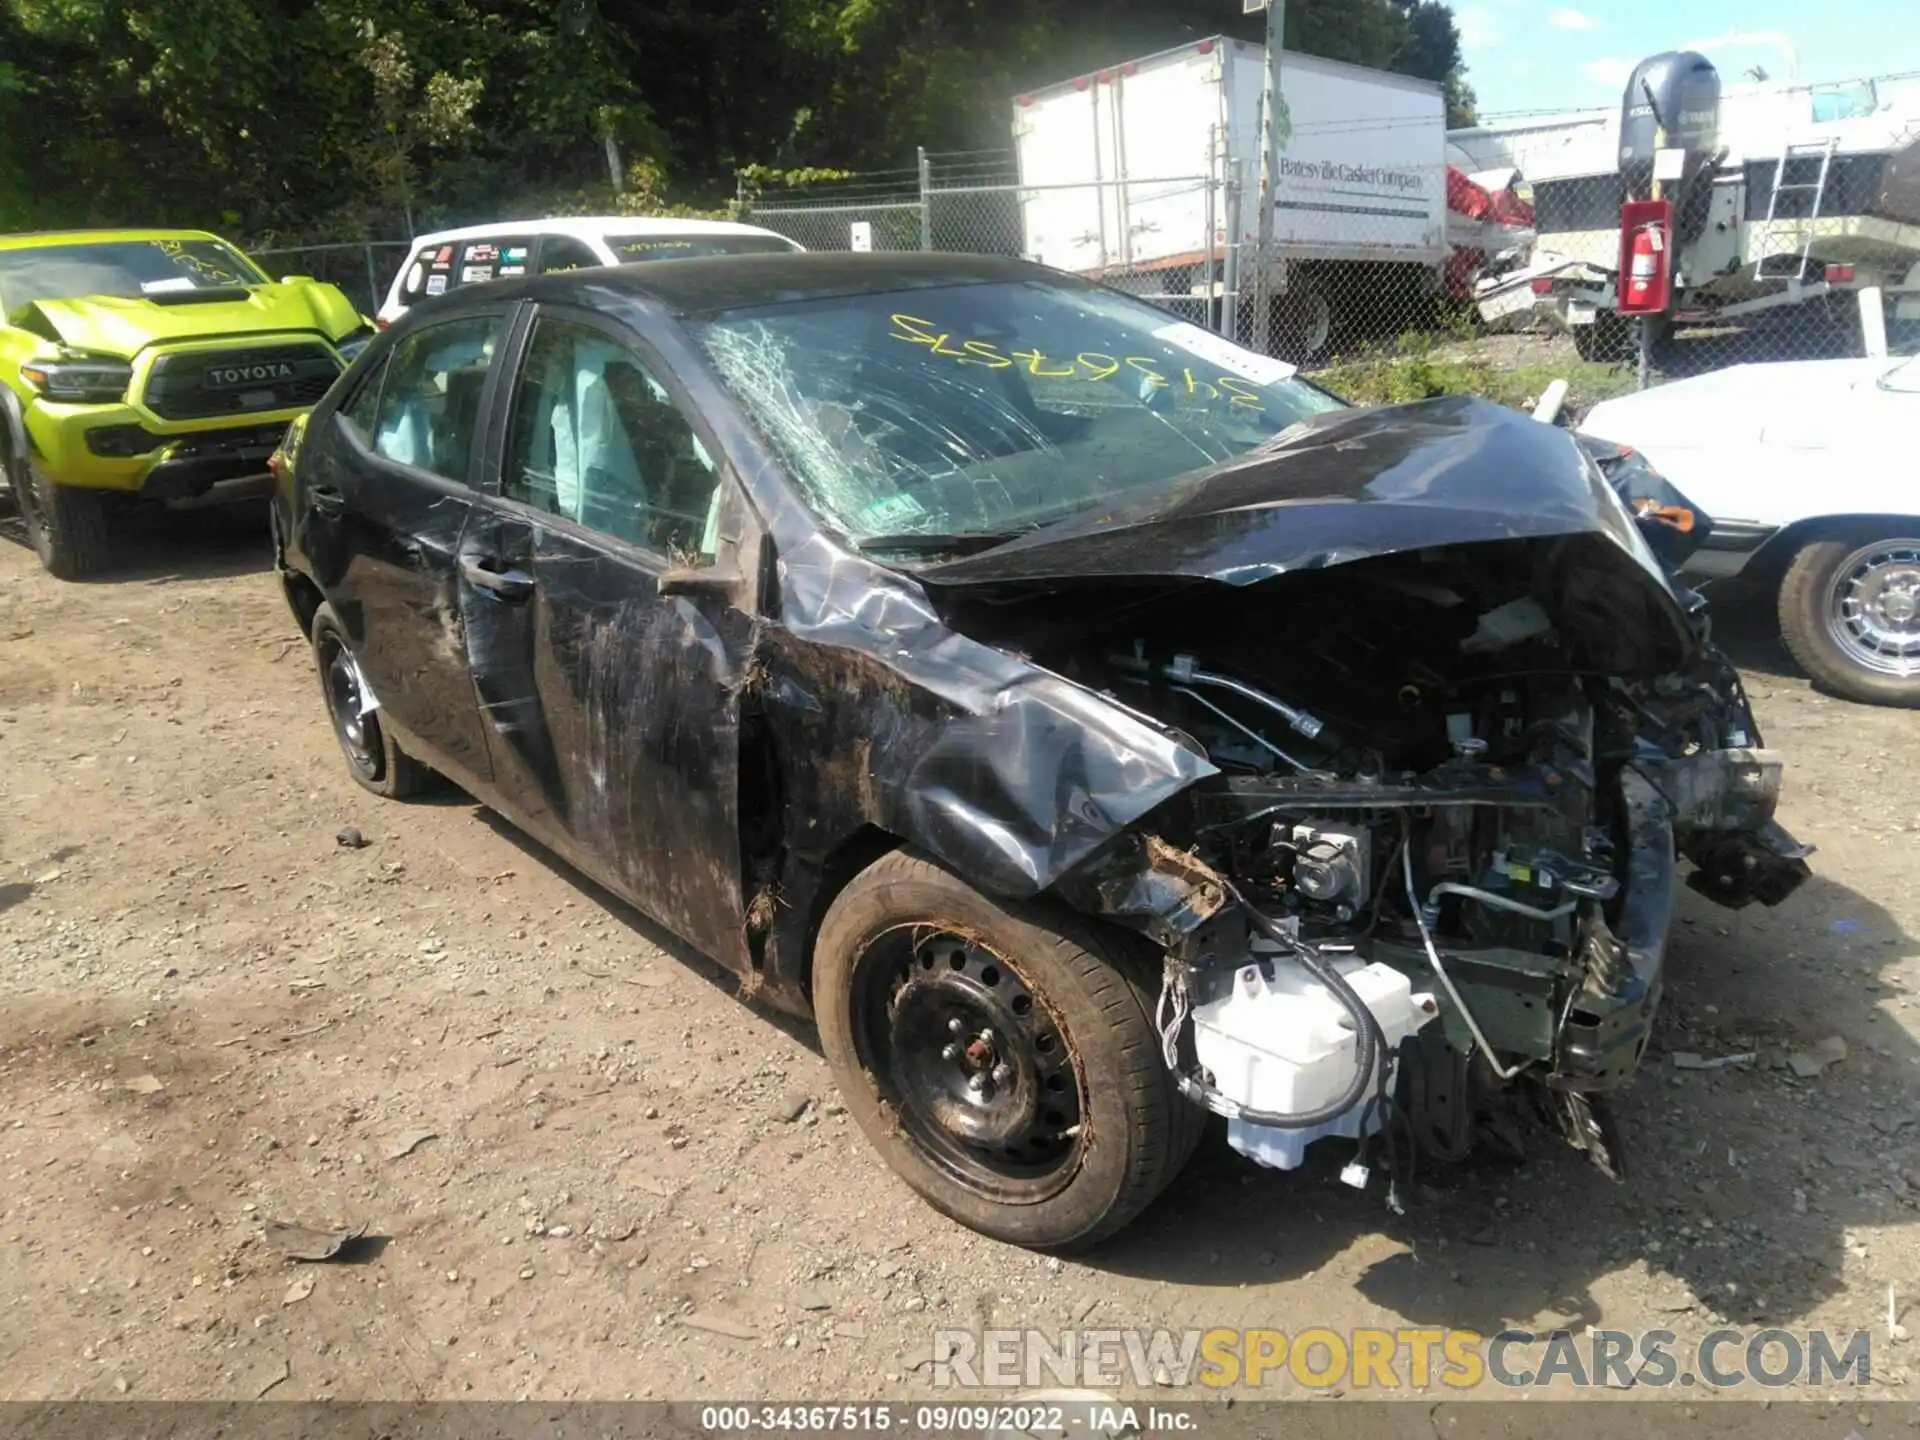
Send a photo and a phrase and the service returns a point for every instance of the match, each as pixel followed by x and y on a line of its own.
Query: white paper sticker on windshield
pixel 1261 369
pixel 161 287
pixel 892 510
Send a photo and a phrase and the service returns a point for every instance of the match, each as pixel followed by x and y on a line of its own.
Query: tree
pixel 328 119
pixel 1435 55
pixel 412 119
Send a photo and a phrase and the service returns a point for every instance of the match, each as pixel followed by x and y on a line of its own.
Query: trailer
pixel 1148 172
pixel 1795 195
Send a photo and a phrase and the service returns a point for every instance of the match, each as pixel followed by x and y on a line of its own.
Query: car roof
pixel 728 282
pixel 585 227
pixel 33 240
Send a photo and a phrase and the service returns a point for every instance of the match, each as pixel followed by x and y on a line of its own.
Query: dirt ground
pixel 586 1170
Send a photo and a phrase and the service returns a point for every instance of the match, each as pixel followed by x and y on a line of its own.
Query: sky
pixel 1544 54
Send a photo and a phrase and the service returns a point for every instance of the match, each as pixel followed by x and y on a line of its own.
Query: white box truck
pixel 1149 171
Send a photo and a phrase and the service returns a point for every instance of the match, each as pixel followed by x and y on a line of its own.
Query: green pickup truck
pixel 158 365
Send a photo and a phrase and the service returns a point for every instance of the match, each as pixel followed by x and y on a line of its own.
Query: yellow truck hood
pixel 126 325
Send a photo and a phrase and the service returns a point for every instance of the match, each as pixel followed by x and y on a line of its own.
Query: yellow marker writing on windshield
pixel 1036 363
pixel 1145 367
pixel 1090 366
pixel 988 356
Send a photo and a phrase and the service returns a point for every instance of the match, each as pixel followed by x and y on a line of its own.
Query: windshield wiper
pixel 964 542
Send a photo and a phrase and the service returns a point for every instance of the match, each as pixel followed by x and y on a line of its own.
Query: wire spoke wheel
pixel 974 1064
pixel 1873 607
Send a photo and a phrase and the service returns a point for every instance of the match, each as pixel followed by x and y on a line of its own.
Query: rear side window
pixel 430 402
pixel 436 269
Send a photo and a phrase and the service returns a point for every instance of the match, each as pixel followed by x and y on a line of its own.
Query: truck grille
pixel 196 385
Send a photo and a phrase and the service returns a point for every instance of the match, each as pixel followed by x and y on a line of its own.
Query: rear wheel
pixel 67 526
pixel 1000 1056
pixel 1303 322
pixel 1610 337
pixel 1850 615
pixel 374 759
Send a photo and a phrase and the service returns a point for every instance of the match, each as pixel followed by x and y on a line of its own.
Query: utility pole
pixel 1270 102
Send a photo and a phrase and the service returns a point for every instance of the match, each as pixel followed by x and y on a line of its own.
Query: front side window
pixel 131 268
pixel 596 439
pixel 430 403
pixel 991 409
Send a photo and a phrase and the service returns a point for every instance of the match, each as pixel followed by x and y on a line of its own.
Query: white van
pixel 448 259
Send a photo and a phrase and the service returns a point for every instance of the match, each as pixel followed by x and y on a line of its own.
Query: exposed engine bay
pixel 1438 861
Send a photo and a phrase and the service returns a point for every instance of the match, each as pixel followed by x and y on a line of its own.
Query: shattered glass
pixel 997 408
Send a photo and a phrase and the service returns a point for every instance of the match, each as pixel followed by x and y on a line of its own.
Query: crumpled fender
pixel 995 766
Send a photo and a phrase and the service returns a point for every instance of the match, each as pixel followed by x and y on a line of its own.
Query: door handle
pixel 505 584
pixel 327 501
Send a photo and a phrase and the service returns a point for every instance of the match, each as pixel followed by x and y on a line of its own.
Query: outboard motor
pixel 1678 93
pixel 1672 102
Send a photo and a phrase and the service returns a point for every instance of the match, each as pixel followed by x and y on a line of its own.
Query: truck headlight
pixel 80 379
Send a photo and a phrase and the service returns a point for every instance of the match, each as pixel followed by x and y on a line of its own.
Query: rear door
pixel 612 708
pixel 385 502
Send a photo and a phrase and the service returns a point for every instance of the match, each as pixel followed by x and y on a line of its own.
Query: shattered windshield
pixel 991 409
pixel 123 267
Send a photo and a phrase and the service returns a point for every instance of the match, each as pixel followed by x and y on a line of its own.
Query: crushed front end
pixel 1437 868
pixel 1457 733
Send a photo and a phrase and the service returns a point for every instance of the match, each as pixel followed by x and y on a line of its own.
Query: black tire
pixel 1608 339
pixel 1305 321
pixel 67 526
pixel 909 949
pixel 373 758
pixel 1845 644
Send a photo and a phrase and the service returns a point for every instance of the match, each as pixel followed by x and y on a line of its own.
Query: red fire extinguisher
pixel 1645 240
pixel 1644 278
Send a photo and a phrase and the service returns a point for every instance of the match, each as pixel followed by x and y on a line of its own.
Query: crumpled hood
pixel 125 325
pixel 1342 487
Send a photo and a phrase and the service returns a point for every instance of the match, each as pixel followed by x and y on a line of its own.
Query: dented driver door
pixel 612 710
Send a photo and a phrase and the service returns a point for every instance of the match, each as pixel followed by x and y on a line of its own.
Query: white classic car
pixel 1809 473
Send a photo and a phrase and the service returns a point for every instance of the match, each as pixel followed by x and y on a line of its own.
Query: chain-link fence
pixel 1401 280
pixel 1806 257
pixel 361 269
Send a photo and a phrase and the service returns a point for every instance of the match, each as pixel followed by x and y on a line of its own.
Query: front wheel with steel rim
pixel 1000 1055
pixel 1850 615
pixel 374 760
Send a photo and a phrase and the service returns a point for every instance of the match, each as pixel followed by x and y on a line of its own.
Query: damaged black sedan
pixel 1090 723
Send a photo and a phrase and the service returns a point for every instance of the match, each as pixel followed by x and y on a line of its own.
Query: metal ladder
pixel 1797 274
